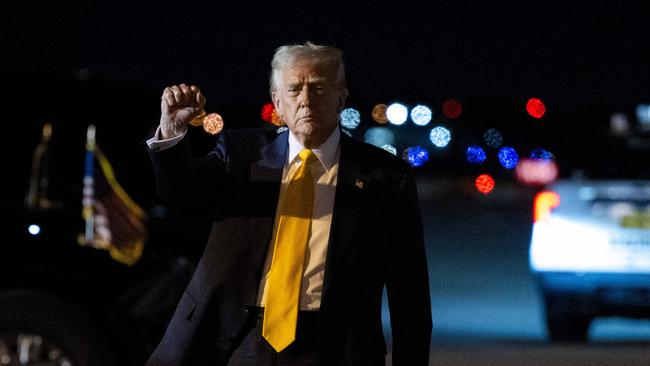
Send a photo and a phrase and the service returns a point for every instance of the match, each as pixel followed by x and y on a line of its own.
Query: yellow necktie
pixel 285 275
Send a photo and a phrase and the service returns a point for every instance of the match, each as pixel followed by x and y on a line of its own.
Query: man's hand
pixel 179 105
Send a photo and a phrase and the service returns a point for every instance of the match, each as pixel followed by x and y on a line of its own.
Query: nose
pixel 306 96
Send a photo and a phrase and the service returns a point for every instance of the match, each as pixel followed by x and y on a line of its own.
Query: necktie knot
pixel 307 156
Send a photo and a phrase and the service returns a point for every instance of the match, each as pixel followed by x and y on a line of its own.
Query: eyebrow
pixel 311 81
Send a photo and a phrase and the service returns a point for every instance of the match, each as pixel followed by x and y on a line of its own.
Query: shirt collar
pixel 326 152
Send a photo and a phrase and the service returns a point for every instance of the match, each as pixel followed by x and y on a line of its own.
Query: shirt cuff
pixel 156 144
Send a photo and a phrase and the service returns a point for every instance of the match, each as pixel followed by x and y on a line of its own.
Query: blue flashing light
pixel 421 115
pixel 379 136
pixel 475 154
pixel 416 156
pixel 350 118
pixel 440 136
pixel 493 138
pixel 541 154
pixel 508 157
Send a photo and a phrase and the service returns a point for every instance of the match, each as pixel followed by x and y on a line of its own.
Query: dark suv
pixel 62 303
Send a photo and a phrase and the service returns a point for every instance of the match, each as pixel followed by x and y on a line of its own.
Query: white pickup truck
pixel 590 251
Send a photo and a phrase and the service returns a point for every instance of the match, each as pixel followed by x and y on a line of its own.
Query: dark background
pixel 74 63
pixel 82 62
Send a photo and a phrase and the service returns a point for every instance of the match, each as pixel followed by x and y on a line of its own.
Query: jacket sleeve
pixel 408 281
pixel 190 182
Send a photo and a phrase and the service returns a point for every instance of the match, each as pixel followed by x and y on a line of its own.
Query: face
pixel 309 100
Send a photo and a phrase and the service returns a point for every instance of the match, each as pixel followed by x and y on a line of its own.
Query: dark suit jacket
pixel 376 239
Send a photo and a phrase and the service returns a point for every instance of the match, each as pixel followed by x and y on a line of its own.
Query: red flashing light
pixel 535 107
pixel 484 183
pixel 267 112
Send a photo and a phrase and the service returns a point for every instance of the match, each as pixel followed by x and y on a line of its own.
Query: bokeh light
pixel 421 115
pixel 379 136
pixel 276 119
pixel 350 118
pixel 541 154
pixel 416 156
pixel 508 157
pixel 267 112
pixel 536 172
pixel 440 136
pixel 452 108
pixel 619 124
pixel 535 107
pixel 484 183
pixel 270 115
pixel 475 154
pixel 643 114
pixel 34 229
pixel 544 202
pixel 397 113
pixel 379 114
pixel 390 148
pixel 493 138
pixel 213 123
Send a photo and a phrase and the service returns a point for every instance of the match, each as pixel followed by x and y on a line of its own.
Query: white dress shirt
pixel 325 177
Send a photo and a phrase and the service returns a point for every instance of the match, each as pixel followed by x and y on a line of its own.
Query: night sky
pixel 576 52
pixel 80 62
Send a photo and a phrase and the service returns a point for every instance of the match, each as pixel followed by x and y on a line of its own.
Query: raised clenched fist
pixel 179 105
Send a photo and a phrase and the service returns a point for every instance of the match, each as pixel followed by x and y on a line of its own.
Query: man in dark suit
pixel 309 226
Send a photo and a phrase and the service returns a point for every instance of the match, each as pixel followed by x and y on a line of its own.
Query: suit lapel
pixel 351 197
pixel 272 156
pixel 265 180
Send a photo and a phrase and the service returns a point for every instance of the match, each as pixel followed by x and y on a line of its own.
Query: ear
pixel 343 96
pixel 276 102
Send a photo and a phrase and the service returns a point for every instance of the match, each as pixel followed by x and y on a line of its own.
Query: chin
pixel 308 129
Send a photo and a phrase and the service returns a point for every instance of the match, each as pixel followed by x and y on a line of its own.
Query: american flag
pixel 113 221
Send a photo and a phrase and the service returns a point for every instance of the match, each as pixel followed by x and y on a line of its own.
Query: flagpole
pixel 88 186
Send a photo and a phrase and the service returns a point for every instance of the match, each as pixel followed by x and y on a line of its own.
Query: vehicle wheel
pixel 568 327
pixel 37 329
pixel 564 321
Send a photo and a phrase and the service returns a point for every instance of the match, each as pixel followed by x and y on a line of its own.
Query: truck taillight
pixel 544 202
